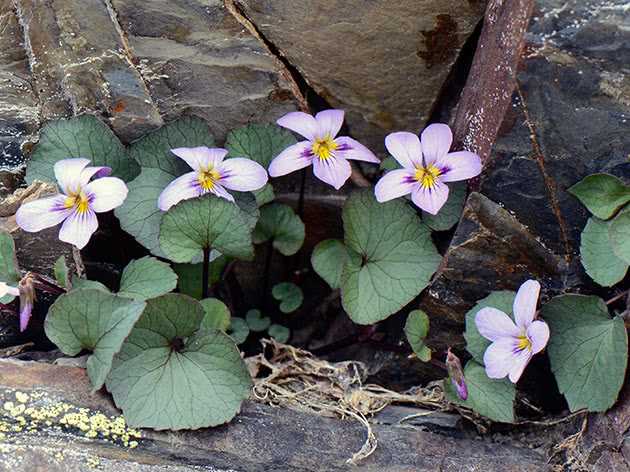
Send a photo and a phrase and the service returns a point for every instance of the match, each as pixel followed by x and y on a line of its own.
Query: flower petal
pixel 182 188
pixel 525 303
pixel 68 173
pixel 352 149
pixel 459 165
pixel 405 147
pixel 499 358
pixel 242 174
pixel 107 193
pixel 334 171
pixel 94 171
pixel 521 359
pixel 301 123
pixel 493 324
pixel 329 123
pixel 201 157
pixel 8 290
pixel 44 213
pixel 436 142
pixel 394 184
pixel 538 334
pixel 79 228
pixel 295 157
pixel 430 199
pixel 220 191
pixel 25 316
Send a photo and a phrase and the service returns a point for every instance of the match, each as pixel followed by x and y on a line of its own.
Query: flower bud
pixel 27 299
pixel 456 374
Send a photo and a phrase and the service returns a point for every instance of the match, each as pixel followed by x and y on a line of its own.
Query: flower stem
pixel 205 275
pixel 267 275
pixel 300 208
pixel 78 261
pixel 617 297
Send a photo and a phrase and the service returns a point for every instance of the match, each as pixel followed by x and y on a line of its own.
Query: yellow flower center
pixel 427 176
pixel 77 200
pixel 524 343
pixel 208 178
pixel 324 147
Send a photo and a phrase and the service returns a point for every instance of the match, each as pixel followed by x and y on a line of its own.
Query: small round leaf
pixel 147 278
pixel 279 223
pixel 416 330
pixel 289 295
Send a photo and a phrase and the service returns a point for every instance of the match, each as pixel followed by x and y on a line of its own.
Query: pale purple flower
pixel 327 153
pixel 513 344
pixel 427 166
pixel 8 290
pixel 27 299
pixel 77 204
pixel 456 373
pixel 212 174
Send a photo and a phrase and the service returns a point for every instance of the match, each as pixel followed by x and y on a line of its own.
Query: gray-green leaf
pixel 170 374
pixel 256 321
pixel 602 194
pixel 259 142
pixel 416 330
pixel 279 223
pixel 449 214
pixel 60 269
pixel 597 255
pixel 147 278
pixel 396 257
pixel 239 330
pixel 328 259
pixel 95 320
pixel 279 333
pixel 79 283
pixel 289 295
pixel 217 315
pixel 619 231
pixel 9 272
pixel 588 351
pixel 190 276
pixel 81 136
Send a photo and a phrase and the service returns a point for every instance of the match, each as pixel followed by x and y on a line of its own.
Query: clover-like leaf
pixel 449 214
pixel 60 270
pixel 476 344
pixel 147 278
pixel 259 142
pixel 602 194
pixel 416 330
pixel 597 255
pixel 239 330
pixel 190 276
pixel 81 136
pixel 279 333
pixel 202 223
pixel 619 231
pixel 588 351
pixel 492 398
pixel 328 259
pixel 395 257
pixel 217 315
pixel 170 374
pixel 92 319
pixel 9 271
pixel 256 321
pixel 289 295
pixel 279 223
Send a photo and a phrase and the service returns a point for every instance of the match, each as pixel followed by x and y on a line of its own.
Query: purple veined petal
pixel 40 214
pixel 94 171
pixel 79 228
pixel 459 165
pixel 334 171
pixel 501 357
pixel 25 316
pixel 329 123
pixel 461 388
pixel 430 199
pixel 521 360
pixel 394 184
pixel 68 173
pixel 201 157
pixel 295 157
pixel 493 324
pixel 349 148
pixel 301 123
pixel 525 303
pixel 106 193
pixel 220 191
pixel 242 174
pixel 405 147
pixel 436 142
pixel 538 335
pixel 8 290
pixel 182 188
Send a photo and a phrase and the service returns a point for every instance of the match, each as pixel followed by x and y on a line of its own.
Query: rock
pixel 384 64
pixel 197 59
pixel 260 438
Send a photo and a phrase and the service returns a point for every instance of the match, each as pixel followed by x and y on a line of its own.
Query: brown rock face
pixel 383 62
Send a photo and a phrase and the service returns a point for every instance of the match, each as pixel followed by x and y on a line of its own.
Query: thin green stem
pixel 205 276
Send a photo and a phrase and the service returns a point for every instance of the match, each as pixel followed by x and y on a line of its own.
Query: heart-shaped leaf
pixel 78 283
pixel 588 351
pixel 602 194
pixel 279 223
pixel 259 142
pixel 202 223
pixel 190 276
pixel 217 315
pixel 491 398
pixel 62 275
pixel 256 321
pixel 396 257
pixel 449 214
pixel 9 272
pixel 328 259
pixel 289 295
pixel 147 278
pixel 239 330
pixel 279 333
pixel 597 255
pixel 81 136
pixel 170 374
pixel 95 320
pixel 416 330
pixel 619 232
pixel 476 344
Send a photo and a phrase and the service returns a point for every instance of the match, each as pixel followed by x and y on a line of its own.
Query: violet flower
pixel 456 374
pixel 27 300
pixel 513 344
pixel 212 174
pixel 427 166
pixel 327 153
pixel 78 203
